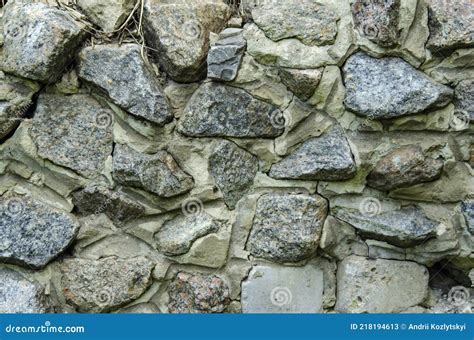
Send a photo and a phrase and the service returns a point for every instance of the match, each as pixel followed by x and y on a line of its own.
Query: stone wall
pixel 243 156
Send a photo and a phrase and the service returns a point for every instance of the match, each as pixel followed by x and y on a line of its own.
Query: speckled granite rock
pixel 464 100
pixel 33 233
pixel 467 209
pixel 379 286
pixel 389 88
pixel 102 285
pixel 225 57
pixel 302 83
pixel 176 236
pixel 287 227
pixel 405 227
pixel 107 14
pixel 310 22
pixel 450 24
pixel 179 34
pixel 403 167
pixel 327 157
pixel 197 293
pixel 377 20
pixel 73 131
pixel 21 295
pixel 39 40
pixel 233 170
pixel 121 72
pixel 97 199
pixel 158 173
pixel 218 110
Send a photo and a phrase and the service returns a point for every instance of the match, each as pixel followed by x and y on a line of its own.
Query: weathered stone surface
pixel 302 83
pixel 390 87
pixel 107 14
pixel 99 286
pixel 176 236
pixel 73 131
pixel 233 170
pixel 21 295
pixel 225 57
pixel 467 209
pixel 97 199
pixel 464 101
pixel 405 227
pixel 379 286
pixel 286 227
pixel 377 20
pixel 403 167
pixel 158 173
pixel 218 110
pixel 15 100
pixel 121 72
pixel 310 22
pixel 328 157
pixel 450 24
pixel 179 34
pixel 198 293
pixel 39 40
pixel 33 233
pixel 271 289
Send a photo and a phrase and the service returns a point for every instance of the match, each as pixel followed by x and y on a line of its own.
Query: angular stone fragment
pixel 310 22
pixel 97 199
pixel 271 289
pixel 464 101
pixel 107 14
pixel 216 110
pixel 287 227
pixel 101 285
pixel 377 20
pixel 379 286
pixel 224 58
pixel 39 40
pixel 21 295
pixel 450 24
pixel 233 170
pixel 405 227
pixel 73 131
pixel 404 167
pixel 198 293
pixel 327 157
pixel 179 35
pixel 121 72
pixel 177 235
pixel 15 101
pixel 33 233
pixel 389 88
pixel 302 83
pixel 467 209
pixel 157 173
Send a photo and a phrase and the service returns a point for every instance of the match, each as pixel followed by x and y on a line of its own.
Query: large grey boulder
pixel 287 227
pixel 39 40
pixel 95 286
pixel 377 20
pixel 179 35
pixel 405 227
pixel 312 23
pixel 157 173
pixel 33 233
pixel 16 99
pixel 225 57
pixel 121 72
pixel 272 289
pixel 21 295
pixel 404 167
pixel 197 293
pixel 389 88
pixel 450 24
pixel 379 286
pixel 233 170
pixel 107 14
pixel 217 110
pixel 302 83
pixel 74 132
pixel 176 236
pixel 327 157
